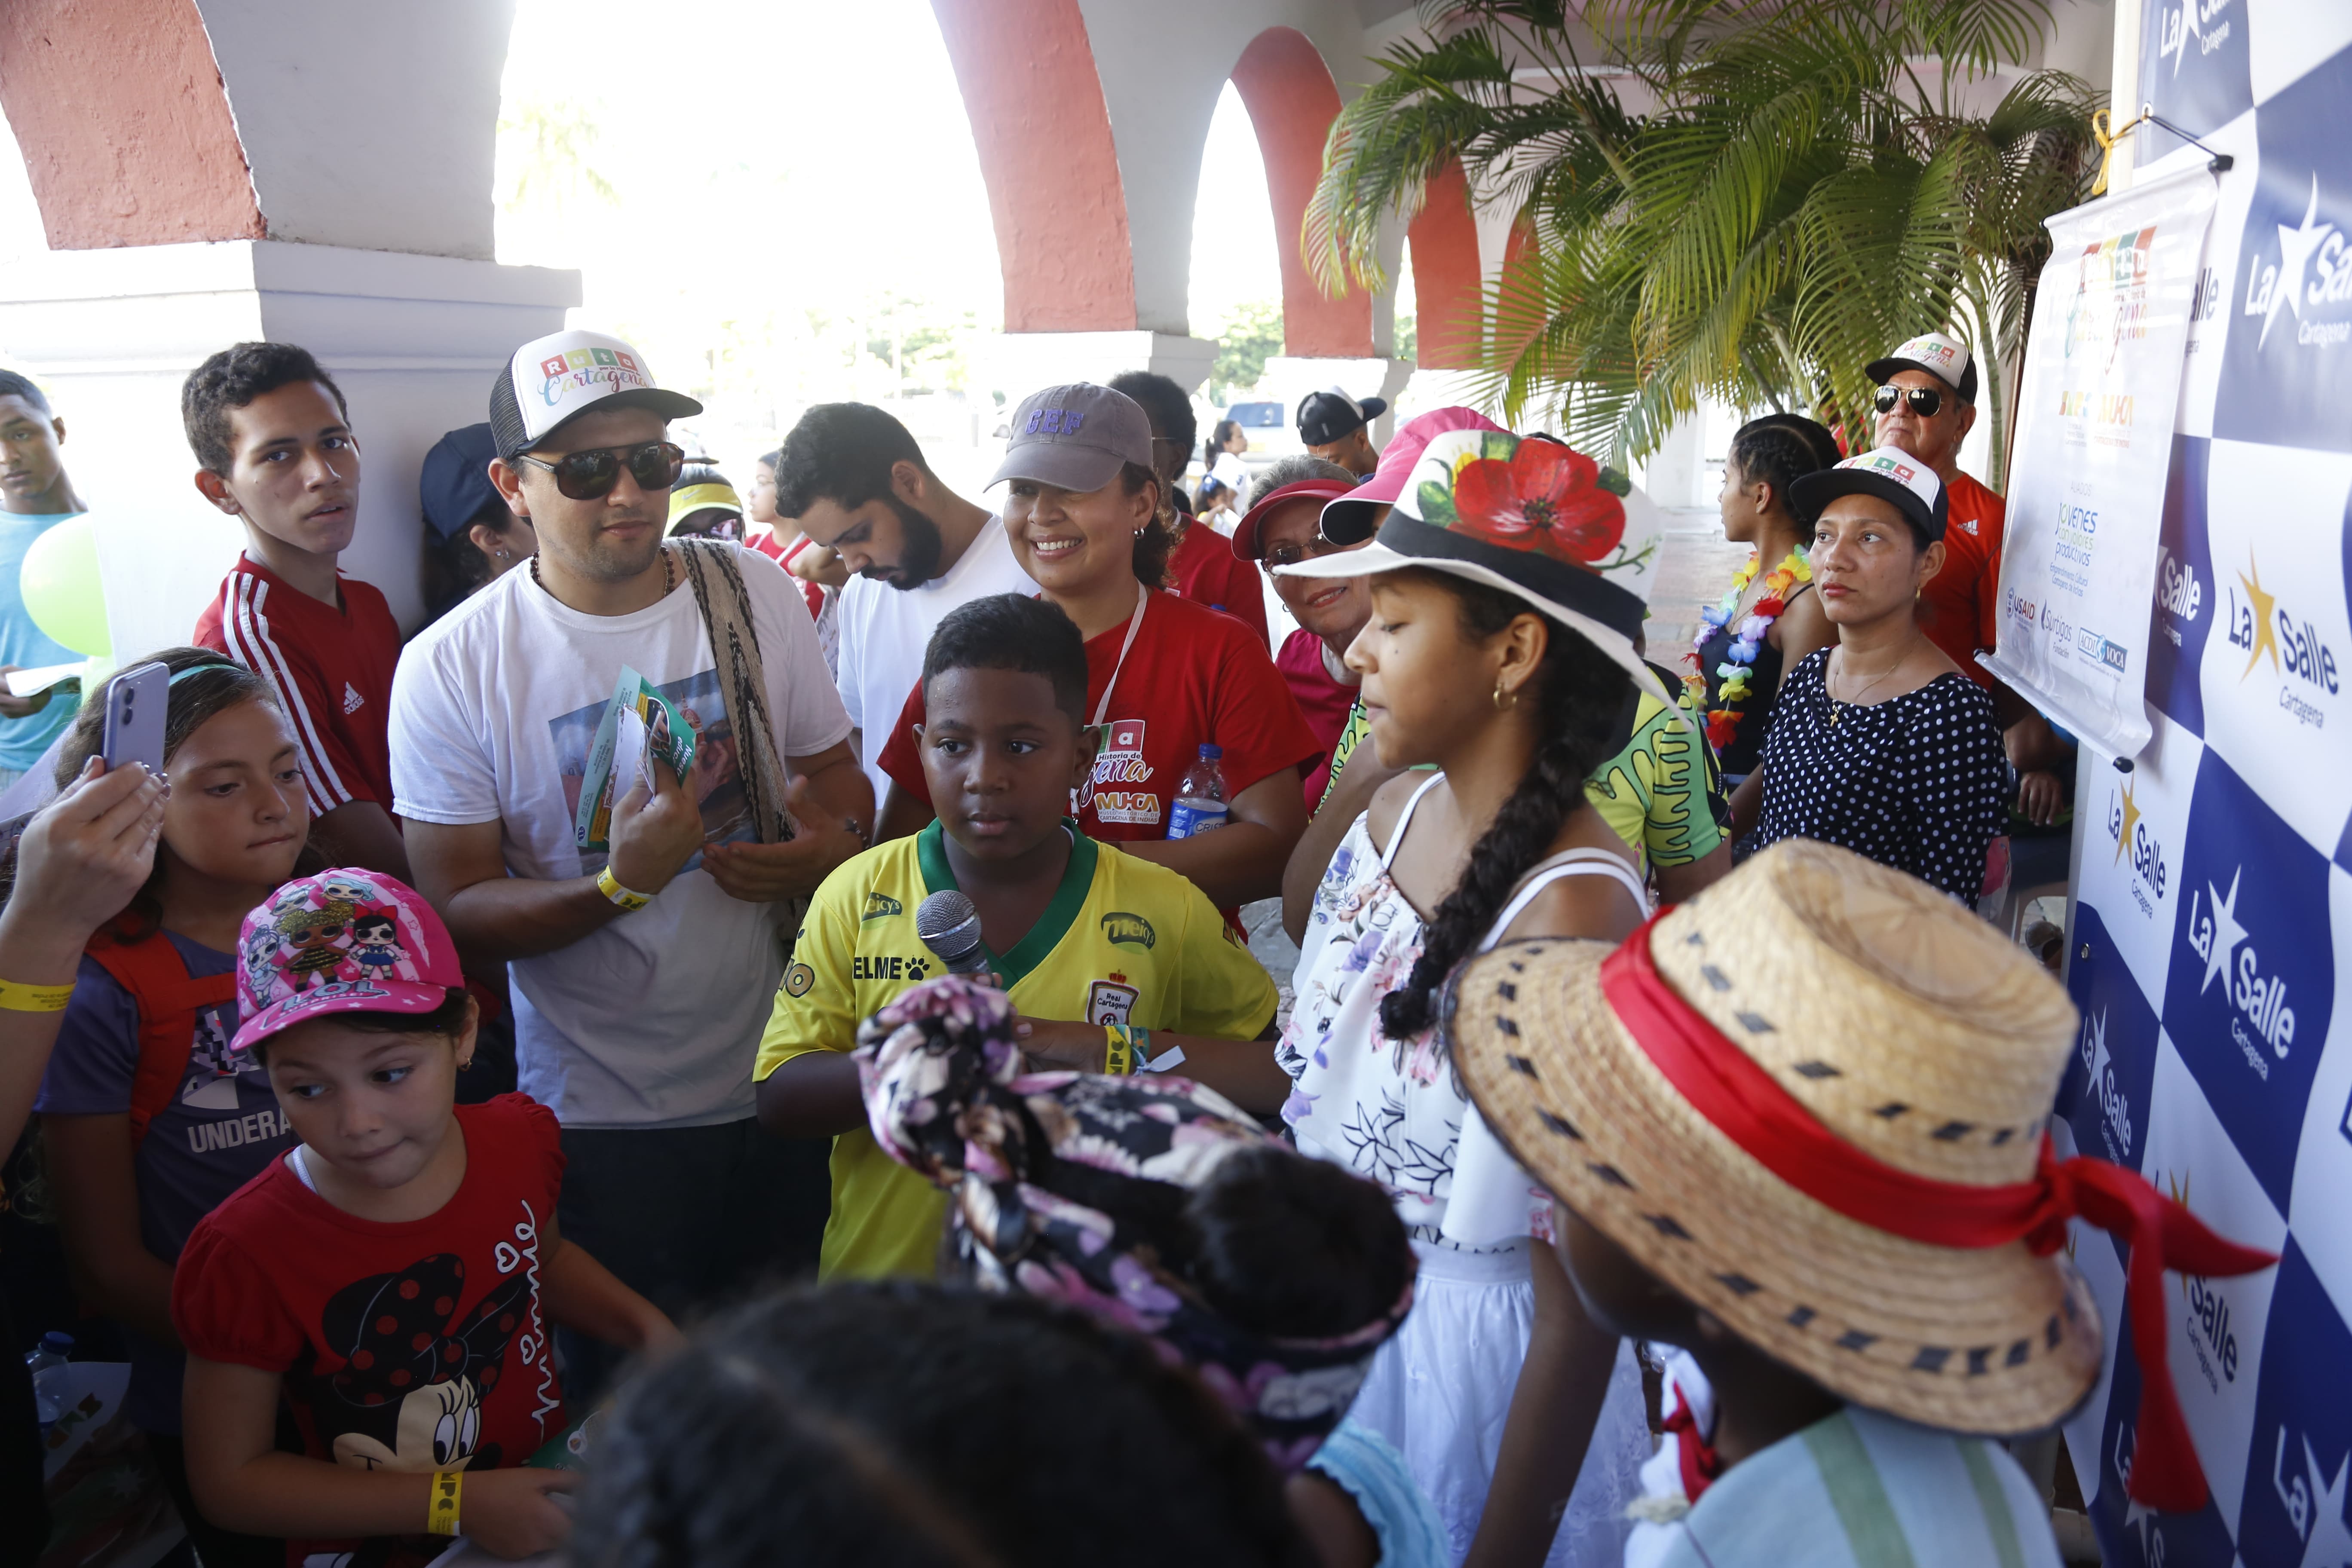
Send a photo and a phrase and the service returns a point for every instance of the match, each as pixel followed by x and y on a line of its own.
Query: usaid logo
pixel 2266 630
pixel 2307 273
pixel 2264 1022
pixel 2192 24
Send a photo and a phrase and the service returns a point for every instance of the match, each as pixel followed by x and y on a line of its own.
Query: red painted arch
pixel 1292 101
pixel 1027 73
pixel 1446 276
pixel 123 123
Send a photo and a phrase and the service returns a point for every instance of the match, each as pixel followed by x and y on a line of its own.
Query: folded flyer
pixel 640 728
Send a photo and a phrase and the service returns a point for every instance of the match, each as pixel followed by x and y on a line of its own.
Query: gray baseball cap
pixel 1076 437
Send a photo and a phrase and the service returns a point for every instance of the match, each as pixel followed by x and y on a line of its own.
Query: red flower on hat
pixel 1544 497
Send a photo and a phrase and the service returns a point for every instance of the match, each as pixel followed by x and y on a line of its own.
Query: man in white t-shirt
pixel 643 974
pixel 856 481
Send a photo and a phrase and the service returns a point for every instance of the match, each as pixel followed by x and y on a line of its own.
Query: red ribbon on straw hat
pixel 1747 1105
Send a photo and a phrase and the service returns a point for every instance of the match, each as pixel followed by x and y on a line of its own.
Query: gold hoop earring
pixel 1502 699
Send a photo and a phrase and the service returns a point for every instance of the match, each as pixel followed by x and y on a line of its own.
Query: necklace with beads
pixel 1736 673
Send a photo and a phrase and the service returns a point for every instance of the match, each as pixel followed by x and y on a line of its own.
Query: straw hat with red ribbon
pixel 1813 1102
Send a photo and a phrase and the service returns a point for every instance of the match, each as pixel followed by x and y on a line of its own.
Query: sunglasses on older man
pixel 1924 400
pixel 590 475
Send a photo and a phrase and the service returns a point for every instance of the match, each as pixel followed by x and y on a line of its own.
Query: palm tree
pixel 1746 200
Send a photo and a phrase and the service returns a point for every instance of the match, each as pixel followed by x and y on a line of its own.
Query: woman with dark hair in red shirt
pixel 1164 676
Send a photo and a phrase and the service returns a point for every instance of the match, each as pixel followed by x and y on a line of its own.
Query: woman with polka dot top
pixel 1880 744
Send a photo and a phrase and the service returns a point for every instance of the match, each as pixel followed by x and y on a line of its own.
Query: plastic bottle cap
pixel 1212 752
pixel 59 1340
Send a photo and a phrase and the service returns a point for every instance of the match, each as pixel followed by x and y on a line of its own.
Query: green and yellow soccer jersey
pixel 1658 793
pixel 1123 940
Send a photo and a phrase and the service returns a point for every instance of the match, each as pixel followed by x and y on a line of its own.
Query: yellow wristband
pixel 611 887
pixel 441 1503
pixel 1119 1057
pixel 19 998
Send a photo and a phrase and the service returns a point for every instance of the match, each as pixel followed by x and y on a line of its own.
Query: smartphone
pixel 135 705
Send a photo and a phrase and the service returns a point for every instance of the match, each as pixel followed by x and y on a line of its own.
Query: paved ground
pixel 1695 565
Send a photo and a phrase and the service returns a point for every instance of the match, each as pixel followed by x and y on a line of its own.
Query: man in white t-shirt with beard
pixel 856 480
pixel 643 974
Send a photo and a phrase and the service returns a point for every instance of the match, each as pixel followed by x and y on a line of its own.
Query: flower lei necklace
pixel 1723 723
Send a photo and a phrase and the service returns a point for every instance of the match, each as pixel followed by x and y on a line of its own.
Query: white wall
pixel 371 124
pixel 413 341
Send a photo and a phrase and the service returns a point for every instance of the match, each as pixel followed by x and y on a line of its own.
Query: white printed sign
pixel 2102 384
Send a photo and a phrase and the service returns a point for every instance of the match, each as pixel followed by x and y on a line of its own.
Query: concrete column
pixel 413 341
pixel 337 156
pixel 1023 361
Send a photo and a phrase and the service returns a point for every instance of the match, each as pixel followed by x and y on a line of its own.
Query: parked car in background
pixel 1268 424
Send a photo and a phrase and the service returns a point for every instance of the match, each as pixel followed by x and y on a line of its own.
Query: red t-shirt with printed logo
pixel 1204 569
pixel 419 1346
pixel 332 670
pixel 1193 677
pixel 1959 608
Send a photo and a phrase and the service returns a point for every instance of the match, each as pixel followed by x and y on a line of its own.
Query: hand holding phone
pixel 136 704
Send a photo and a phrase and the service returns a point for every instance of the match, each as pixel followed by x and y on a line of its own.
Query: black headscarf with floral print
pixel 1061 1183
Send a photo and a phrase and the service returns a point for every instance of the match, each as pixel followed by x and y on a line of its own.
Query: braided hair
pixel 1782 449
pixel 893 1425
pixel 1578 692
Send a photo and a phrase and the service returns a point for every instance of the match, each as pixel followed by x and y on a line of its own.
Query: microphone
pixel 949 927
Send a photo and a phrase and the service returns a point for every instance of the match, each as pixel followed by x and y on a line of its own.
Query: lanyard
pixel 1134 625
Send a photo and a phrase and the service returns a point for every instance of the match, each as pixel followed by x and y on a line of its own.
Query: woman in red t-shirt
pixel 1164 676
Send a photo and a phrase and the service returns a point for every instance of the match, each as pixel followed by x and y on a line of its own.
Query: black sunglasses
pixel 1924 400
pixel 590 475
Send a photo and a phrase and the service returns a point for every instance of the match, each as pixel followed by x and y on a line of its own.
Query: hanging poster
pixel 2102 383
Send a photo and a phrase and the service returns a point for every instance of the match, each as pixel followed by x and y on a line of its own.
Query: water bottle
pixel 48 1366
pixel 1199 797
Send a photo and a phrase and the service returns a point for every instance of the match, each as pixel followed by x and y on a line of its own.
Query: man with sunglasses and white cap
pixel 1926 404
pixel 643 967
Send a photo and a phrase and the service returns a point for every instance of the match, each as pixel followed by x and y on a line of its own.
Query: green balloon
pixel 60 588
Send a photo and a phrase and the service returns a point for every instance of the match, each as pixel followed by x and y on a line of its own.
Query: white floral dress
pixel 1441 1390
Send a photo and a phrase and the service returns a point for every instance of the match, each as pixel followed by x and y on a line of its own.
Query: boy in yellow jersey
pixel 1081 936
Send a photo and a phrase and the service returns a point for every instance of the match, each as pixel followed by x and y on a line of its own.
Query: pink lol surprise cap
pixel 345 941
pixel 1351 519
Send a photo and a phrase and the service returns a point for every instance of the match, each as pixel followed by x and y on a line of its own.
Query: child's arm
pixel 1553 1409
pixel 1243 1071
pixel 243 1483
pixel 813 1095
pixel 581 1293
pixel 98 1216
pixel 78 863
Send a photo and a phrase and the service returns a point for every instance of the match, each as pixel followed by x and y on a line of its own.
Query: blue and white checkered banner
pixel 2213 899
pixel 2103 371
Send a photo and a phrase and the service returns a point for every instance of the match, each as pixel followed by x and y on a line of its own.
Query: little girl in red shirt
pixel 395 1276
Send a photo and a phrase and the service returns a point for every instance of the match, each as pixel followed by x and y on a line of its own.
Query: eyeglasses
pixel 1292 555
pixel 1925 401
pixel 590 475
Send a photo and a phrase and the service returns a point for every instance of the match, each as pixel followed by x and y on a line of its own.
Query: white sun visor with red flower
pixel 1534 518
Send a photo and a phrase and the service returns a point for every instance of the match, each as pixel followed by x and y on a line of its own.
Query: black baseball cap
pixel 1331 416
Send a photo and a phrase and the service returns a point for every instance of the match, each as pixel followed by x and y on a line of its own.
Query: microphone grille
pixel 948 923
